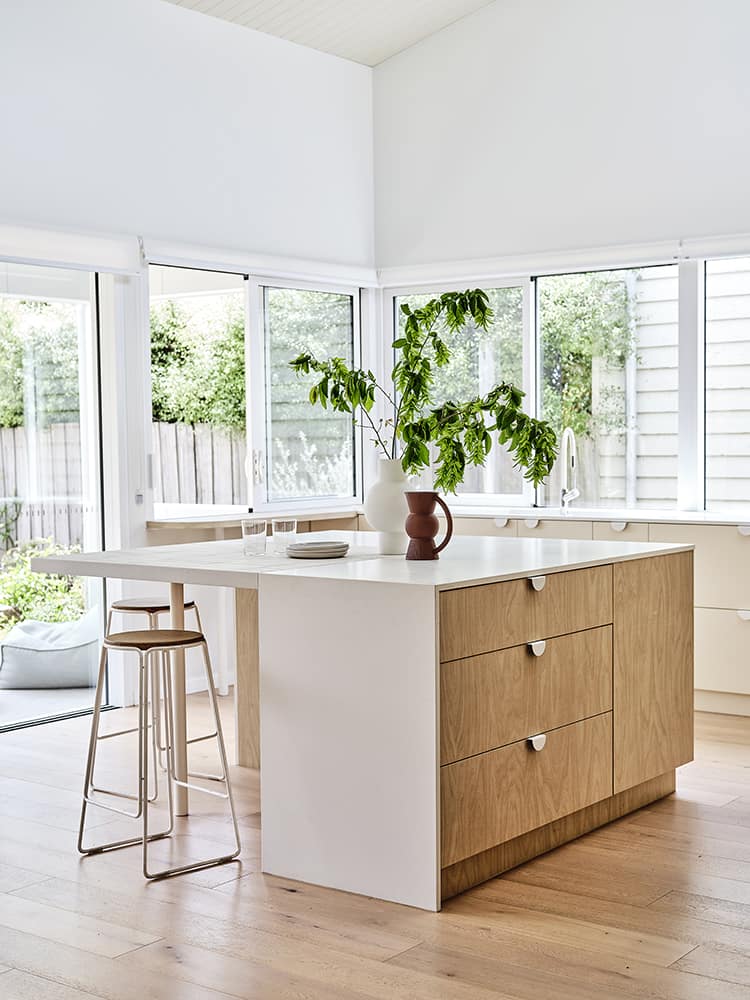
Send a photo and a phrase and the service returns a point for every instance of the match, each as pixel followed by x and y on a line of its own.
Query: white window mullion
pixel 691 386
pixel 255 390
pixel 530 368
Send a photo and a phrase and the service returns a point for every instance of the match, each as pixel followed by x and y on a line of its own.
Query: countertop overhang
pixel 468 561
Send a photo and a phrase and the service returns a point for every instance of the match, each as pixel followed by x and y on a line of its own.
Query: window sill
pixel 227 520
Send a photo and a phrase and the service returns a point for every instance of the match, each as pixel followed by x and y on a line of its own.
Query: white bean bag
pixel 51 655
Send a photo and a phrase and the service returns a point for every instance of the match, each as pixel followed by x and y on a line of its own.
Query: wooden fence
pixel 198 464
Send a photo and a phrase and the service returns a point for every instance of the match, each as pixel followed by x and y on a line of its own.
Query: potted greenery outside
pixel 460 433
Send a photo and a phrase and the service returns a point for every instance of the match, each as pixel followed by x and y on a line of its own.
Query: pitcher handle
pixel 449 530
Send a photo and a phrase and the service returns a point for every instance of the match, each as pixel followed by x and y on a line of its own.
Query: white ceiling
pixel 367 31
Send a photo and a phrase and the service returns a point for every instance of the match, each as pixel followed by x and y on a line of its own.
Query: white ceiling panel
pixel 367 31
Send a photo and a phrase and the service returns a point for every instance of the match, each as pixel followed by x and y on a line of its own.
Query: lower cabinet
pixel 555 709
pixel 722 650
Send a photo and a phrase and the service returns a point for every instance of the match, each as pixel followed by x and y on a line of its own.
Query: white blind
pixel 31 245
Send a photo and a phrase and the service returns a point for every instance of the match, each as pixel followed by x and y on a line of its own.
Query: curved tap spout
pixel 569 457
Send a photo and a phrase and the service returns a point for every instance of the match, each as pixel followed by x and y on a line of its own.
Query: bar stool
pixel 155 649
pixel 153 608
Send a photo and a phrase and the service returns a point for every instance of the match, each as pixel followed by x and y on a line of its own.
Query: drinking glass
pixel 254 536
pixel 284 532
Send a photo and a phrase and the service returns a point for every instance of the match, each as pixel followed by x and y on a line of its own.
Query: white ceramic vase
pixel 386 509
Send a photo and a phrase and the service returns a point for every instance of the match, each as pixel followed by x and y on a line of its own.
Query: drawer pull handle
pixel 537 742
pixel 537 648
pixel 744 529
pixel 744 616
pixel 532 522
pixel 538 582
pixel 618 525
pixel 501 522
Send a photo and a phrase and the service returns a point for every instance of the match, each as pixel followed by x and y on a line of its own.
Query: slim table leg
pixel 247 686
pixel 177 613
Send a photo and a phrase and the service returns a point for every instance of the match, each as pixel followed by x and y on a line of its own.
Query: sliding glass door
pixel 50 493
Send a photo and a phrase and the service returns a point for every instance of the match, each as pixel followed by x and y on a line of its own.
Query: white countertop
pixel 630 515
pixel 467 561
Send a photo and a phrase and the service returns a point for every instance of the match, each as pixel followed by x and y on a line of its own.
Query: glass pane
pixel 198 390
pixel 310 450
pixel 479 360
pixel 728 383
pixel 50 627
pixel 608 370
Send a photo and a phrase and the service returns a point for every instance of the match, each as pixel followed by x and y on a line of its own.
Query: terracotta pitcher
pixel 422 524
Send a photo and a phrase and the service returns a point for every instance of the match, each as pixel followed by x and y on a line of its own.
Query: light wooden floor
pixel 654 906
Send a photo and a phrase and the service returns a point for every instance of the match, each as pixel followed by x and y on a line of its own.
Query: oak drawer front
pixel 491 700
pixel 504 793
pixel 494 616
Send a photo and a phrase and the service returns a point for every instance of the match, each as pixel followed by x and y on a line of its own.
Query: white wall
pixel 539 125
pixel 137 116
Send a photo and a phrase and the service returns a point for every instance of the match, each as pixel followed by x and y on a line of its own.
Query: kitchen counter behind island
pixel 399 701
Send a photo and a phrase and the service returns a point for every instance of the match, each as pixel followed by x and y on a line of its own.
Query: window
pixel 608 362
pixel 198 388
pixel 310 451
pixel 479 360
pixel 727 383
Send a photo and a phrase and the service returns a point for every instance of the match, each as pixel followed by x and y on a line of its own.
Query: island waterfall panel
pixel 609 690
pixel 653 667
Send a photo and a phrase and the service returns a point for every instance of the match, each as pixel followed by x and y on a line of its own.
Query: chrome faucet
pixel 568 457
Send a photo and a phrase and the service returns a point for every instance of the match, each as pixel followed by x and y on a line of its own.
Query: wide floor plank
pixel 653 907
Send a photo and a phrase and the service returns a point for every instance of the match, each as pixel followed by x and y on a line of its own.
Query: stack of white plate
pixel 317 550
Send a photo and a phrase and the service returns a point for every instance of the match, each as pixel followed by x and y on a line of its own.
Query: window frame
pixel 691 484
pixel 257 402
pixel 474 501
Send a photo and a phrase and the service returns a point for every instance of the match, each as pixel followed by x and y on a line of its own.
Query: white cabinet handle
pixel 744 616
pixel 538 582
pixel 618 525
pixel 501 522
pixel 744 529
pixel 537 648
pixel 537 742
pixel 532 522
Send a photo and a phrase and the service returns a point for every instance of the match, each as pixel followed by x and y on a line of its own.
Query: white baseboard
pixel 722 702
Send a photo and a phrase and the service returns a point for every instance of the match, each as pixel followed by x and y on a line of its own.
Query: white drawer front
pixel 501 527
pixel 722 651
pixel 532 528
pixel 620 531
pixel 722 561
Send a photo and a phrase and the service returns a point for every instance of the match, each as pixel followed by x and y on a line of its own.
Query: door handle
pixel 538 582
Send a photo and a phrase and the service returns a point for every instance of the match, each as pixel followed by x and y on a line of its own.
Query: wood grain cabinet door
pixel 653 667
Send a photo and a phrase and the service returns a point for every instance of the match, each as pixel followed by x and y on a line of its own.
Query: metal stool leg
pixel 209 862
pixel 144 731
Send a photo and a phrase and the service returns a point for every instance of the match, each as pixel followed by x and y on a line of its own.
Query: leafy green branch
pixel 461 433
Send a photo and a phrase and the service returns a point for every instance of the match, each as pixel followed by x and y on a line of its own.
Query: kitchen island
pixel 425 726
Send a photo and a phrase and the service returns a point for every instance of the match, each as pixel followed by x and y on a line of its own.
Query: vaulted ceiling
pixel 366 31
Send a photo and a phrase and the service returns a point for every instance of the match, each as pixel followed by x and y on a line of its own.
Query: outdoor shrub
pixel 40 596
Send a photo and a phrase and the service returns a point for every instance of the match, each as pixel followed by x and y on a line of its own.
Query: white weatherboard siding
pixel 728 384
pixel 537 125
pixel 141 117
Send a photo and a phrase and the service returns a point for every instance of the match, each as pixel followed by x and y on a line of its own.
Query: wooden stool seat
pixel 153 638
pixel 146 605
